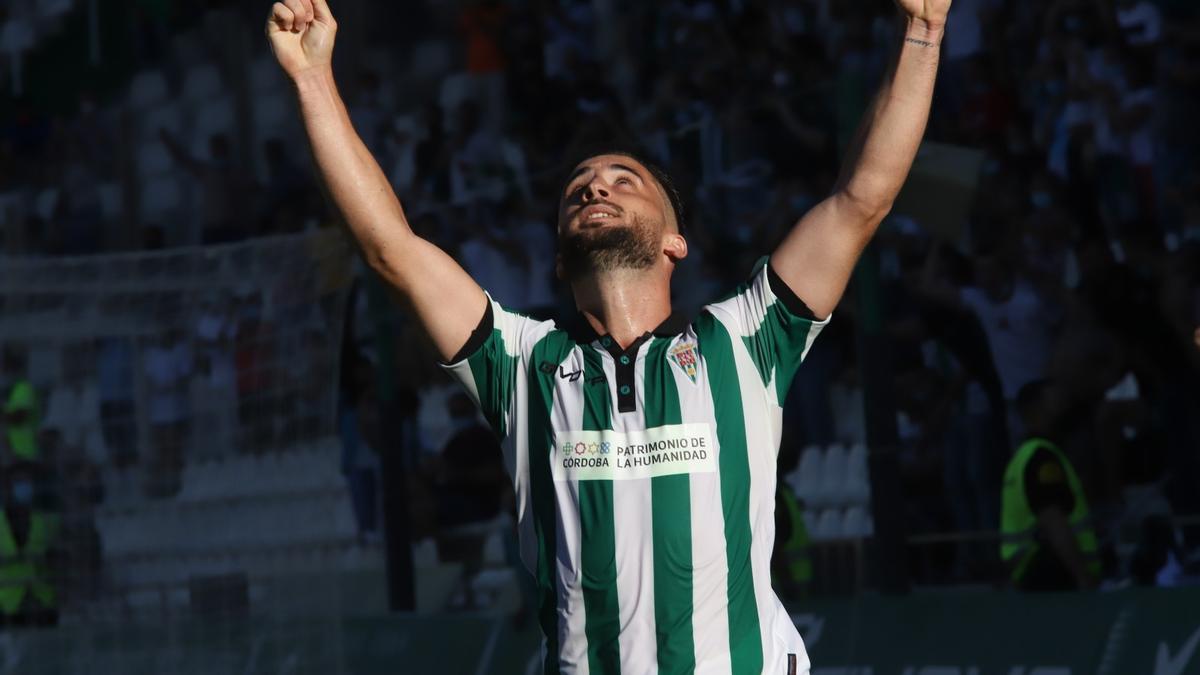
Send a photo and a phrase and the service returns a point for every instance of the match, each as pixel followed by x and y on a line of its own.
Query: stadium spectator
pixel 21 412
pixel 168 367
pixel 30 558
pixel 483 24
pixel 254 359
pixel 73 409
pixel 471 488
pixel 213 390
pixel 368 112
pixel 471 480
pixel 499 255
pixel 1049 542
pixel 360 453
pixel 224 188
pixel 791 560
pixel 114 374
pixel 285 199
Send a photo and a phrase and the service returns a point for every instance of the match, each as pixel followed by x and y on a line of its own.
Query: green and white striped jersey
pixel 645 482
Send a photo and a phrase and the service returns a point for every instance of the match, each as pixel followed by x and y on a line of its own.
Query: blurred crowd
pixel 1048 243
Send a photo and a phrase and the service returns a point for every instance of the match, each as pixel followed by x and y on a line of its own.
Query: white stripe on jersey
pixel 635 552
pixel 710 589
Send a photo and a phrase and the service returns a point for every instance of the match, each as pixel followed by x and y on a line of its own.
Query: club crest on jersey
pixel 684 356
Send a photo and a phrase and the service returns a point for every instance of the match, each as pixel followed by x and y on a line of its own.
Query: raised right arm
pixel 445 299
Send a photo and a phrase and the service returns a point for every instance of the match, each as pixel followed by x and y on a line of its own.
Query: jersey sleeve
pixel 774 325
pixel 493 359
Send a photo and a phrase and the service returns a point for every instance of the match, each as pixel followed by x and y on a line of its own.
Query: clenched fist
pixel 301 34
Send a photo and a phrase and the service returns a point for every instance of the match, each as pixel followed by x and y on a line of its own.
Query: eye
pixel 625 180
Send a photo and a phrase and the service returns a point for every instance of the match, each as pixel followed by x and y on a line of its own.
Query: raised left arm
pixel 817 257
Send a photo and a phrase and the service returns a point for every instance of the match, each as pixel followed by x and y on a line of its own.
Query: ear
pixel 558 267
pixel 675 247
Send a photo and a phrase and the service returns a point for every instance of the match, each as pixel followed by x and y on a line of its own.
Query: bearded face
pixel 614 215
pixel 632 244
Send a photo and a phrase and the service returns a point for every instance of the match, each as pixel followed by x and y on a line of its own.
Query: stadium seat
pixel 148 88
pixel 425 553
pixel 806 479
pixel 857 523
pixel 46 202
pixel 496 589
pixel 858 477
pixel 828 526
pixel 833 475
pixel 811 516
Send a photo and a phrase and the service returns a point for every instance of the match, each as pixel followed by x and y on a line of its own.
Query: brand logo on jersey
pixel 571 376
pixel 684 355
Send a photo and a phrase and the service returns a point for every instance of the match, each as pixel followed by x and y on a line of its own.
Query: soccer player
pixel 642 454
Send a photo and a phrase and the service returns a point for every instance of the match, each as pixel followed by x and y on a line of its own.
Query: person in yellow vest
pixel 20 407
pixel 791 561
pixel 1047 539
pixel 28 551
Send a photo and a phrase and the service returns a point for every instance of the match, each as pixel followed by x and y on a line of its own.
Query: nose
pixel 594 190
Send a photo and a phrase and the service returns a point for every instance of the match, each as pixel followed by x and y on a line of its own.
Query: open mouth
pixel 597 214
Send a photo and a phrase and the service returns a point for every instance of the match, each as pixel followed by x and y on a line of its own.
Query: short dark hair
pixel 660 175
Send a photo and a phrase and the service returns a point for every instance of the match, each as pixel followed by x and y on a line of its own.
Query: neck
pixel 624 303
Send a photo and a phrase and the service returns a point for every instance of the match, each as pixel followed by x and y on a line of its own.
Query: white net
pixel 179 426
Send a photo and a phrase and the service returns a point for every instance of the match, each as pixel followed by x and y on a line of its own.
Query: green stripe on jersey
pixel 495 387
pixel 671 518
pixel 716 347
pixel 774 351
pixel 598 543
pixel 554 349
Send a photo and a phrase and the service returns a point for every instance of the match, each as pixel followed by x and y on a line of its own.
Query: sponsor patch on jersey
pixel 684 355
pixel 614 455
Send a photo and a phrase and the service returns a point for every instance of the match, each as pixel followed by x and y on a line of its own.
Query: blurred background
pixel 224 449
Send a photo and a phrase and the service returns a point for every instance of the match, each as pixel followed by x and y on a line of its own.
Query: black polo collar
pixel 581 331
pixel 624 360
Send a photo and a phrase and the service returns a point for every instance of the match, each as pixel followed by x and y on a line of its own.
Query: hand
pixel 932 13
pixel 301 34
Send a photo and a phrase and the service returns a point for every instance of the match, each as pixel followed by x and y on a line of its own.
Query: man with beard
pixel 642 454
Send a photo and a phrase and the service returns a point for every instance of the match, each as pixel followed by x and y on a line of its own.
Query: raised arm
pixel 447 302
pixel 817 257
